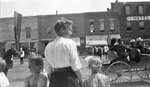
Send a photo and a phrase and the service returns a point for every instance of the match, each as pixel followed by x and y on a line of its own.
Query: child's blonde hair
pixel 2 64
pixel 94 59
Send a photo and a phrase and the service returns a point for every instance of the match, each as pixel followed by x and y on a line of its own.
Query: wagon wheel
pixel 144 73
pixel 119 71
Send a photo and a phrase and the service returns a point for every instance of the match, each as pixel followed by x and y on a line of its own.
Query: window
pixel 141 24
pixel 141 9
pixel 147 9
pixel 28 32
pixel 128 24
pixel 92 29
pixel 127 10
pixel 101 21
pixel 112 24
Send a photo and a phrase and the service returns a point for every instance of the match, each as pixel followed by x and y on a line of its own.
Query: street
pixel 17 74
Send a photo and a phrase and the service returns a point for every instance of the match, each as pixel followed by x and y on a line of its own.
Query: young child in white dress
pixel 37 77
pixel 4 82
pixel 96 79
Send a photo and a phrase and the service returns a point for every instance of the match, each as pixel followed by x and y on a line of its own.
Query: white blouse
pixel 62 52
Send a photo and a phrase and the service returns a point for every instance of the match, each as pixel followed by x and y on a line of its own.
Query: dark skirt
pixel 64 77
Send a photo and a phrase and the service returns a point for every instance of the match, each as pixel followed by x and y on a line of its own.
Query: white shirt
pixel 22 54
pixel 62 52
pixel 4 82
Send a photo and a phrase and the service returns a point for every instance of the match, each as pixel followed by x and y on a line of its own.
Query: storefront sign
pixel 137 18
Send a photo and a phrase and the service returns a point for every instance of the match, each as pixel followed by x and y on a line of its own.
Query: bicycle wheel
pixel 119 71
pixel 143 73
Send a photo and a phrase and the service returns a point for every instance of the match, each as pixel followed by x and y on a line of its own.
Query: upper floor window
pixel 112 24
pixel 127 10
pixel 102 24
pixel 28 32
pixel 141 9
pixel 92 28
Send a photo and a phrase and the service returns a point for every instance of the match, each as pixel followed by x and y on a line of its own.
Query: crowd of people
pixel 130 52
pixel 64 63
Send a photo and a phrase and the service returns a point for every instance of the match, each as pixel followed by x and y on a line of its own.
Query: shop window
pixel 141 9
pixel 127 10
pixel 28 32
pixel 102 25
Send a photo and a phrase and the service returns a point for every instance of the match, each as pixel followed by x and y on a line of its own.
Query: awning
pixel 96 42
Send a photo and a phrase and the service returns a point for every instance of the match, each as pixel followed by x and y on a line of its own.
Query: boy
pixel 37 77
pixel 96 79
pixel 3 79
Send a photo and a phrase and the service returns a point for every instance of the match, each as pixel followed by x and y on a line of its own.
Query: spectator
pixel 22 55
pixel 100 52
pixel 139 44
pixel 8 57
pixel 95 49
pixel 4 82
pixel 121 50
pixel 37 77
pixel 96 79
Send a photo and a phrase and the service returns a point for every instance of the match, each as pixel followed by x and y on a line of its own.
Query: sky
pixel 48 7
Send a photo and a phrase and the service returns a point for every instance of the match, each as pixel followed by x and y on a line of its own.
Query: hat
pixel 139 39
pixel 92 59
pixel 132 40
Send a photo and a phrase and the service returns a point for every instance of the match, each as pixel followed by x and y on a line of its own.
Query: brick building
pixel 105 24
pixel 134 19
pixel 29 32
pixel 37 31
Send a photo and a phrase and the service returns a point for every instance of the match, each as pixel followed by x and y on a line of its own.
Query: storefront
pixel 100 40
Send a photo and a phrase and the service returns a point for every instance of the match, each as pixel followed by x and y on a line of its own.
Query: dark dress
pixel 64 77
pixel 121 52
pixel 8 58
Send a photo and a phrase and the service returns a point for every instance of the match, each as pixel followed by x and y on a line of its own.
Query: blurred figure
pixel 37 77
pixel 132 43
pixel 22 55
pixel 121 50
pixel 8 57
pixel 95 49
pixel 100 52
pixel 96 79
pixel 112 42
pixel 134 53
pixel 4 82
pixel 139 44
pixel 106 50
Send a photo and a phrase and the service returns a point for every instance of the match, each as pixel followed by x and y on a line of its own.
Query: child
pixel 37 77
pixel 3 79
pixel 96 79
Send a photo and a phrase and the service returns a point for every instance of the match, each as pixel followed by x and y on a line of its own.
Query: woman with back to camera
pixel 62 57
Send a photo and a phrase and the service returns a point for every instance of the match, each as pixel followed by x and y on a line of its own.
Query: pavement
pixel 19 72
